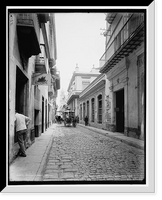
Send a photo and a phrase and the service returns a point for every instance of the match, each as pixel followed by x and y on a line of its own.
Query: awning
pixel 27 39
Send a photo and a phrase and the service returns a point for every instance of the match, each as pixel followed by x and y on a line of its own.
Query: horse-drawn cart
pixel 69 118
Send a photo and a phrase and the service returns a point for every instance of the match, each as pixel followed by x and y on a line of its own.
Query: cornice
pixel 97 83
pixel 81 74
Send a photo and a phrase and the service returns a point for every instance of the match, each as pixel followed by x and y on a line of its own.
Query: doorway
pixel 120 111
pixel 46 115
pixel 42 114
pixel 88 109
pixel 21 92
pixel 36 120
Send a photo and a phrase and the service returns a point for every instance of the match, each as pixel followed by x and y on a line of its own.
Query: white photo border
pixel 149 187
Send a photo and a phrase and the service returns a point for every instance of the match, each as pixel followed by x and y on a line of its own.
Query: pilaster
pixel 126 103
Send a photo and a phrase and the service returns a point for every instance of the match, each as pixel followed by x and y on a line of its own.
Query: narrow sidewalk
pixel 30 168
pixel 118 136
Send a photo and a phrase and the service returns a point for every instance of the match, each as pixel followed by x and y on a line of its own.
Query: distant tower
pixel 76 68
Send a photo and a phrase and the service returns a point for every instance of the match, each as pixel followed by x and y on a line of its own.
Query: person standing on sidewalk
pixel 86 121
pixel 21 122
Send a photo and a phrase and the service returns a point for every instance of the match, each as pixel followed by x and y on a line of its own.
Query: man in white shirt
pixel 22 122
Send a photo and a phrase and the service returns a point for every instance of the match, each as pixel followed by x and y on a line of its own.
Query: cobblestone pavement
pixel 80 154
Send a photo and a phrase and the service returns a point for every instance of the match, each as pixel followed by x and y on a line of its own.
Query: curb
pixel 131 143
pixel 35 166
pixel 38 176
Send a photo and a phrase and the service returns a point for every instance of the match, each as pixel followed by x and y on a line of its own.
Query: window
pixel 88 109
pixel 117 42
pixel 100 108
pixel 125 29
pixel 83 111
pixel 93 111
pixel 80 111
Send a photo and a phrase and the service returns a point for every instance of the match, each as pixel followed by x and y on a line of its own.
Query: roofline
pixel 74 96
pixel 81 74
pixel 92 84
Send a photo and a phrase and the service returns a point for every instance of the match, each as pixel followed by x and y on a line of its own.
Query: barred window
pixel 83 111
pixel 88 109
pixel 80 111
pixel 100 108
pixel 93 112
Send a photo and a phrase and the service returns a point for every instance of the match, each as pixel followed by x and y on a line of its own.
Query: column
pixel 112 102
pixel 126 102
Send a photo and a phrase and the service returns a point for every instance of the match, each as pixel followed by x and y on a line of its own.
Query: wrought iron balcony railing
pixel 40 61
pixel 40 66
pixel 110 17
pixel 128 38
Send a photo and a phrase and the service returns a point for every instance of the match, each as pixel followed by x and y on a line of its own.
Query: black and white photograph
pixel 77 97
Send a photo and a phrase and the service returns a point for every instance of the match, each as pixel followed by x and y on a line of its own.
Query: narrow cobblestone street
pixel 78 154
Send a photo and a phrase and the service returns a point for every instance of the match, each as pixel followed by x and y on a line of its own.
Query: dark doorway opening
pixel 42 114
pixel 21 92
pixel 36 119
pixel 88 109
pixel 46 115
pixel 120 111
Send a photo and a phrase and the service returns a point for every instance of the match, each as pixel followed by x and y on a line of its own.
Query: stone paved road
pixel 80 154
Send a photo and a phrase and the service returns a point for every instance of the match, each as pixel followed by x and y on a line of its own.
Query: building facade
pixel 123 63
pixel 32 51
pixel 92 103
pixel 78 82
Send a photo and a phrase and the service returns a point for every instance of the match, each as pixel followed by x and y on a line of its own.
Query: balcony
pixel 40 66
pixel 110 17
pixel 52 62
pixel 41 61
pixel 27 36
pixel 25 19
pixel 128 39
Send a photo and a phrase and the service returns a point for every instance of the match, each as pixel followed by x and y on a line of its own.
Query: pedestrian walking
pixel 74 121
pixel 86 120
pixel 77 119
pixel 21 123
